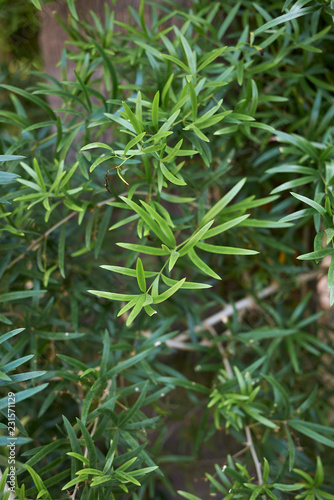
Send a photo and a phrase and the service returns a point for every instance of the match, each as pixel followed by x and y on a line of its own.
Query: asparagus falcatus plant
pixel 162 233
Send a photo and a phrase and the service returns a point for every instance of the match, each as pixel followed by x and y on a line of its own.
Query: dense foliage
pixel 160 243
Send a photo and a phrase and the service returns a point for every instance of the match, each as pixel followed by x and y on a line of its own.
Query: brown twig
pixel 34 245
pixel 251 448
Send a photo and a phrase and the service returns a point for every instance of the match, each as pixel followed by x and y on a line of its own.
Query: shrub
pixel 163 183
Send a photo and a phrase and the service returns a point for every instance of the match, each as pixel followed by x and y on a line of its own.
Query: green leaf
pixel 127 416
pixel 113 296
pixel 89 444
pixel 176 199
pixel 267 333
pixel 7 177
pixel 194 239
pixel 162 223
pixel 9 335
pixel 319 474
pixel 61 250
pixel 123 222
pixel 78 456
pixel 8 297
pixel 5 440
pixel 168 293
pixel 186 285
pixel 173 152
pixel 319 254
pixel 210 57
pixel 37 479
pixel 34 99
pixel 225 226
pixel 140 275
pixel 37 4
pixel 103 228
pixel 143 249
pixel 228 20
pixel 132 118
pixel 172 259
pixel 169 176
pixel 124 365
pixel 177 62
pixel 155 110
pixel 225 250
pixel 294 183
pixel 259 418
pixel 311 203
pixel 293 14
pixel 291 449
pixel 191 56
pixel 218 207
pixel 22 395
pixel 94 145
pixel 167 125
pixel 189 496
pixel 128 272
pixel 265 223
pixel 152 224
pixel 299 426
pixel 133 142
pixel 200 264
pixel 193 98
pixel 4 158
pixel 109 66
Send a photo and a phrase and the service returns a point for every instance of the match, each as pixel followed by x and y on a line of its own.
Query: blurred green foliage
pixel 163 182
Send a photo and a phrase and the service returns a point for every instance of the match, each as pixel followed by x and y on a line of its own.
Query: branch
pixel 34 245
pixel 242 305
pixel 251 447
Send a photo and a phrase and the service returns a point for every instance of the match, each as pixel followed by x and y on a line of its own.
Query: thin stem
pixel 251 447
pixel 34 245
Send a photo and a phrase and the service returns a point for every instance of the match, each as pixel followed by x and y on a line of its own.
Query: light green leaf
pixel 225 250
pixel 210 57
pixel 225 226
pixel 195 238
pixel 4 158
pixel 133 142
pixel 155 110
pixel 218 207
pixel 187 285
pixel 293 14
pixel 172 259
pixel 168 293
pixel 152 224
pixel 200 264
pixel 8 297
pixel 169 176
pixel 140 275
pixel 319 254
pixel 112 296
pixel 143 249
pixel 311 203
pixel 162 222
pixel 127 272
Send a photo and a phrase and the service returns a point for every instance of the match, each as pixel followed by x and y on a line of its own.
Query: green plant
pixel 159 184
